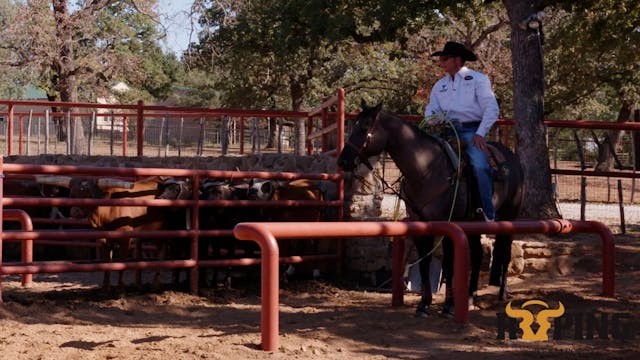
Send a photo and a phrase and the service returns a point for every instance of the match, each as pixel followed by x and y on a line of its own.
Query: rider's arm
pixel 488 104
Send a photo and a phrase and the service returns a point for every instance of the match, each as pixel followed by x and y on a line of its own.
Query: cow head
pixel 261 189
pixel 84 187
pixel 215 189
pixel 175 189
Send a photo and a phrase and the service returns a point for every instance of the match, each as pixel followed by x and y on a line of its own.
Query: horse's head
pixel 365 139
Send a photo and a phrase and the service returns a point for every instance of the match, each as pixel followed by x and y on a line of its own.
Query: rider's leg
pixel 481 169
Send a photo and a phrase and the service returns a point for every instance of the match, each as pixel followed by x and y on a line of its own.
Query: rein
pixel 363 159
pixel 412 205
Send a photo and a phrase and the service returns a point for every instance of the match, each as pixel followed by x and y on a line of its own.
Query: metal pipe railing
pixel 265 235
pixel 51 237
pixel 26 246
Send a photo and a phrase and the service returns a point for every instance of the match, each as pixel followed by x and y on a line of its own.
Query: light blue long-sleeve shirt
pixel 467 97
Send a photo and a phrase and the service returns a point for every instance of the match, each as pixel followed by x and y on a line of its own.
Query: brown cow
pixel 295 190
pixel 125 218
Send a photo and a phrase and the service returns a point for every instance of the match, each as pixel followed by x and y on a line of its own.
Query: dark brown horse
pixel 430 192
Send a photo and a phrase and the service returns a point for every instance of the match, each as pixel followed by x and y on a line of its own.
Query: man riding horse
pixel 465 98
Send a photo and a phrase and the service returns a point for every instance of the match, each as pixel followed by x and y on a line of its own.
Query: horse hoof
pixel 423 312
pixel 472 303
pixel 448 310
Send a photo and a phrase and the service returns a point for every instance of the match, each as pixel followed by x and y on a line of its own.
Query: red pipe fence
pixel 265 234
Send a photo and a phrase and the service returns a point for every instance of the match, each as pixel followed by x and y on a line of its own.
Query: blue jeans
pixel 481 170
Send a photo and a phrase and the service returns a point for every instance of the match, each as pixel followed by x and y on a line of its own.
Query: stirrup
pixel 484 215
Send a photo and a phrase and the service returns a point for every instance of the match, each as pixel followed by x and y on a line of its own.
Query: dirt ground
pixel 68 317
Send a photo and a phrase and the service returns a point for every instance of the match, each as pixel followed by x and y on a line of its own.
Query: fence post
pixel 69 133
pixel 621 205
pixel 20 135
pixel 180 136
pixel 92 126
pixel 583 197
pixel 241 136
pixel 112 131
pixel 29 132
pixel 200 138
pixel 1 195
pixel 10 130
pixel 124 135
pixel 340 116
pixel 140 127
pixel 39 134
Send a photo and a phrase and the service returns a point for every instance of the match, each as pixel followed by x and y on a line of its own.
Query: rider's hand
pixel 479 142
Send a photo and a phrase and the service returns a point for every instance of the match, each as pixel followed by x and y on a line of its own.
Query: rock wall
pixel 263 162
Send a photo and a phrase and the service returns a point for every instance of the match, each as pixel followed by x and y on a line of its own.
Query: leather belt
pixel 470 124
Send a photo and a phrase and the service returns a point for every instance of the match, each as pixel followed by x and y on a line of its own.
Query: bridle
pixel 360 149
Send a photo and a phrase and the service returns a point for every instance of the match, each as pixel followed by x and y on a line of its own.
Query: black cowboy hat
pixel 452 48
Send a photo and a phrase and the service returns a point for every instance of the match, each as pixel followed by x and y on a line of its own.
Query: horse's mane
pixel 414 126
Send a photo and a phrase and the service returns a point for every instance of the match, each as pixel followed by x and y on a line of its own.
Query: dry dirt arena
pixel 67 317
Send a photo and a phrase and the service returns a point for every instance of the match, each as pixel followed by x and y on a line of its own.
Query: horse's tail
pixel 515 183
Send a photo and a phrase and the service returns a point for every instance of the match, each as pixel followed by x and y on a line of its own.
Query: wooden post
pixel 166 136
pixel 635 140
pixel 583 196
pixel 310 131
pixel 224 135
pixel 200 138
pixel 124 135
pixel 241 136
pixel 29 131
pixel 92 126
pixel 160 133
pixel 621 205
pixel 140 127
pixel 180 136
pixel 20 135
pixel 47 118
pixel 279 124
pixel 39 132
pixel 69 134
pixel 112 131
pixel 10 130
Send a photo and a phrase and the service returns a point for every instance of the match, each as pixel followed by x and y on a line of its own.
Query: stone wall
pixel 263 162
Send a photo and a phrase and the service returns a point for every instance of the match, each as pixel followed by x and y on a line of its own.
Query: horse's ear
pixel 378 107
pixel 363 104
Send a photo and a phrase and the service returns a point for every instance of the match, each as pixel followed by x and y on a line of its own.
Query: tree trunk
pixel 528 112
pixel 299 124
pixel 636 142
pixel 272 135
pixel 66 67
pixel 606 152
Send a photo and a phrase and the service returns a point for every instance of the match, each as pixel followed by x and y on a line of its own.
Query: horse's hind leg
pixel 500 264
pixel 447 275
pixel 475 249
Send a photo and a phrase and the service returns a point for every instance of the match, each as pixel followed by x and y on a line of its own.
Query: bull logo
pixel 542 318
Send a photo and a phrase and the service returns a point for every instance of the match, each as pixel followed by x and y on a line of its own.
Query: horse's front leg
pixel 424 246
pixel 475 250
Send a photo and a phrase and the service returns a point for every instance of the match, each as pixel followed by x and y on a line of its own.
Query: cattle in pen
pixel 124 218
pixel 177 218
pixel 222 218
pixel 296 190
